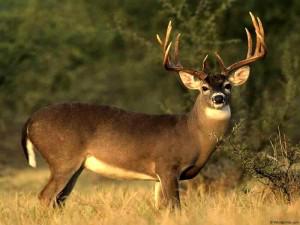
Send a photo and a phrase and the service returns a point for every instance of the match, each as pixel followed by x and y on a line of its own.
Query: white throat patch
pixel 218 114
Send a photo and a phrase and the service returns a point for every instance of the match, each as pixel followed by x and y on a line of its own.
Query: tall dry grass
pixel 97 201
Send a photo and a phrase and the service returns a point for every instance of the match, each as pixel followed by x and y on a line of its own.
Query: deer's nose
pixel 218 99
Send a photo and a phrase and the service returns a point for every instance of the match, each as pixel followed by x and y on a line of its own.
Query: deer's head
pixel 215 88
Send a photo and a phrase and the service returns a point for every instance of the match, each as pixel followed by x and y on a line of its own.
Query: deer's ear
pixel 190 81
pixel 239 76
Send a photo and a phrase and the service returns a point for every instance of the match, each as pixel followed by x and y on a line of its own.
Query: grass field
pixel 101 201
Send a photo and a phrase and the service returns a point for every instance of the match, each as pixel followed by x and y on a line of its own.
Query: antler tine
pixel 176 65
pixel 252 56
pixel 221 63
pixel 205 66
pixel 257 33
pixel 262 32
pixel 159 40
pixel 249 38
pixel 166 55
pixel 261 28
pixel 169 29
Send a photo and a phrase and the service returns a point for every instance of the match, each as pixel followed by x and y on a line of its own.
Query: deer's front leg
pixel 158 194
pixel 167 192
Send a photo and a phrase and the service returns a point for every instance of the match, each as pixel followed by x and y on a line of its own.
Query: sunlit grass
pixel 97 201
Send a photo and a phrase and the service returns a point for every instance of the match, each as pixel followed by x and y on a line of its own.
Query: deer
pixel 164 148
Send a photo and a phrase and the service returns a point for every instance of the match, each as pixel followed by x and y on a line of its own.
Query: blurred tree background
pixel 105 52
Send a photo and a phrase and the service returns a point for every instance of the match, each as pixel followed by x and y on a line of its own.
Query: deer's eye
pixel 227 86
pixel 204 88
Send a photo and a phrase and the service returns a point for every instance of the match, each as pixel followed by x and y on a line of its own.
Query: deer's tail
pixel 27 146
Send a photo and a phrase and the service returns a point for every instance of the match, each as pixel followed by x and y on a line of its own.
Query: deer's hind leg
pixel 60 184
pixel 63 195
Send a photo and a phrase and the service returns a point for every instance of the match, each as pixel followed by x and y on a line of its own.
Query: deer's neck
pixel 207 126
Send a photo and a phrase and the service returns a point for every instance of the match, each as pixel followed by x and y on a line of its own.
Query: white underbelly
pixel 104 169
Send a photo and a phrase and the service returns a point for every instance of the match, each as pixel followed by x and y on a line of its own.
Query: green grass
pixel 101 201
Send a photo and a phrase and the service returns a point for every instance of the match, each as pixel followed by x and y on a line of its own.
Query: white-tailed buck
pixel 120 144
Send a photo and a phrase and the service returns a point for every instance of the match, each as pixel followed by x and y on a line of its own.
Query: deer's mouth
pixel 219 105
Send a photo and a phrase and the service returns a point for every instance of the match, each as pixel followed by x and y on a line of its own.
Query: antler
pixel 260 48
pixel 176 65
